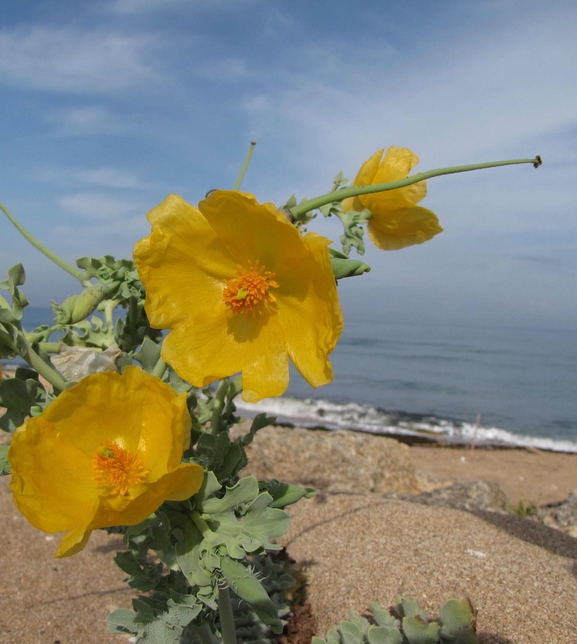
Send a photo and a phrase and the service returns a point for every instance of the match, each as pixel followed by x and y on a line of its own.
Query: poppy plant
pixel 240 289
pixel 106 452
pixel 396 219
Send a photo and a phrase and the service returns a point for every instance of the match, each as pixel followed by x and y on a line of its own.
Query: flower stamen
pixel 249 292
pixel 117 468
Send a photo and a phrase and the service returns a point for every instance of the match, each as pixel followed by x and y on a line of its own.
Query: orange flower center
pixel 249 292
pixel 116 468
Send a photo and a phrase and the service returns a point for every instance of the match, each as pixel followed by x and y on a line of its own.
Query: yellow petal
pixel 395 229
pixel 224 345
pixel 396 165
pixel 366 175
pixel 250 231
pixel 52 455
pixel 211 339
pixel 73 542
pixel 310 313
pixel 182 263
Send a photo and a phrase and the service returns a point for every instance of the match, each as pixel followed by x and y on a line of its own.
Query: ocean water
pixel 432 381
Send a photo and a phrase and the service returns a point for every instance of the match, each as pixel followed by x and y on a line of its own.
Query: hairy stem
pixel 218 404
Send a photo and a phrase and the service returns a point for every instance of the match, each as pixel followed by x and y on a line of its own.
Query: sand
pixel 524 588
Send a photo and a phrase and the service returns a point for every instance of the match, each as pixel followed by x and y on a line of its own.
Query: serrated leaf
pixel 418 631
pixel 284 494
pixel 122 621
pixel 148 355
pixel 18 397
pixel 383 617
pixel 457 617
pixel 259 422
pixel 382 635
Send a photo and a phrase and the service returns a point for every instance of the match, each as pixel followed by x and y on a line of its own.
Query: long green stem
pixel 218 404
pixel 244 166
pixel 55 258
pixel 227 629
pixel 355 191
pixel 45 370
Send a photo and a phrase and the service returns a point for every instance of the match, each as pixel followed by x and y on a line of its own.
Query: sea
pixel 497 386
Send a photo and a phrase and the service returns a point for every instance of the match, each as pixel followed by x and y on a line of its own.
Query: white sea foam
pixel 366 418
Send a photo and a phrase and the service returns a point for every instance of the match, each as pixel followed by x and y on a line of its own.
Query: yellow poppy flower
pixel 396 220
pixel 106 452
pixel 241 290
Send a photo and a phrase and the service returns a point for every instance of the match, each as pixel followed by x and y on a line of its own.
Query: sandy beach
pixel 44 600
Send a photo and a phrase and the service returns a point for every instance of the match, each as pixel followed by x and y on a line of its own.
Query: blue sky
pixel 110 105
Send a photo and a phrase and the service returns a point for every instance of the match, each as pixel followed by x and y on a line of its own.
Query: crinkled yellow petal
pixel 226 344
pixel 52 454
pixel 51 478
pixel 396 165
pixel 182 264
pixel 310 312
pixel 73 542
pixel 395 229
pixel 366 175
pixel 252 231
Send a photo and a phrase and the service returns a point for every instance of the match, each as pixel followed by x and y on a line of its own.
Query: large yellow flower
pixel 396 220
pixel 106 452
pixel 242 290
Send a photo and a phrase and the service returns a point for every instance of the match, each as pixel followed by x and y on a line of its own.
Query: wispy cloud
pixel 103 177
pixel 130 7
pixel 109 178
pixel 83 121
pixel 73 60
pixel 93 205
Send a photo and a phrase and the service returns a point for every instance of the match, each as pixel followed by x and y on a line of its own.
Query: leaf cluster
pixel 407 623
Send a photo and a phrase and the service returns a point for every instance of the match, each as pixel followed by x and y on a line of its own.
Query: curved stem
pixel 48 372
pixel 55 258
pixel 355 191
pixel 244 166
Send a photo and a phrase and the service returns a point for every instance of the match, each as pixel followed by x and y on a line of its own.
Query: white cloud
pixel 92 205
pixel 73 60
pixel 470 96
pixel 83 121
pixel 108 177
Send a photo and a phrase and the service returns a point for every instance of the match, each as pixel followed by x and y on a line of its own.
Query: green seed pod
pixel 76 308
pixel 245 584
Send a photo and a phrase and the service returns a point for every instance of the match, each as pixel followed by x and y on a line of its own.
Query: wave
pixel 408 427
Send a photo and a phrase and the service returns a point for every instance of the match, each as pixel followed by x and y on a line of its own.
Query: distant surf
pixel 412 428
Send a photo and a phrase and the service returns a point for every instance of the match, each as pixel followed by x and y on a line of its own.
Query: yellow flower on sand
pixel 106 452
pixel 396 220
pixel 241 290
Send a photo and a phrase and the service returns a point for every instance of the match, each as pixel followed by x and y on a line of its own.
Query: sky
pixel 108 106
